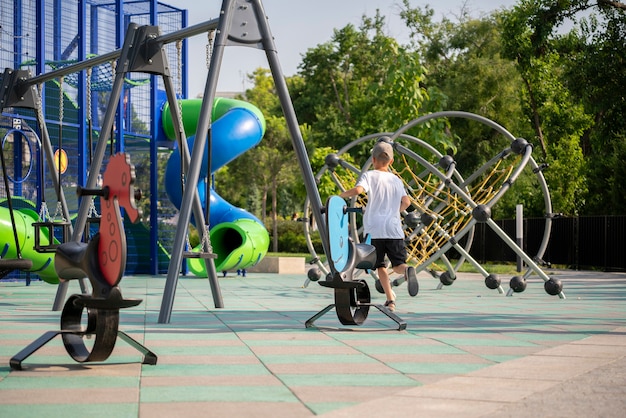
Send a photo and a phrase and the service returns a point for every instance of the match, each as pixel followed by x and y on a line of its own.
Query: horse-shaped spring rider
pixel 102 260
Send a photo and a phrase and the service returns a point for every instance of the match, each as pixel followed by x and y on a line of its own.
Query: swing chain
pixel 88 88
pixel 93 212
pixel 209 47
pixel 206 241
pixel 179 68
pixel 44 213
pixel 58 213
pixel 61 107
pixel 179 84
pixel 39 106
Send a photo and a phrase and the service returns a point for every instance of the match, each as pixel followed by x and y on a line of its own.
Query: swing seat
pixel 49 229
pixel 76 260
pixel 69 260
pixel 8 265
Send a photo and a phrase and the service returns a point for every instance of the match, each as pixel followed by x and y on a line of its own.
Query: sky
pixel 298 25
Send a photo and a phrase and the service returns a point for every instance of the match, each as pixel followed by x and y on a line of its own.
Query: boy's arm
pixel 355 191
pixel 405 203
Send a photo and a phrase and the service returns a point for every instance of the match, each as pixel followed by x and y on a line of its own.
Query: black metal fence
pixel 578 243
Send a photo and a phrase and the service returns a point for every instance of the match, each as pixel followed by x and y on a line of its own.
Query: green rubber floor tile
pixel 204 370
pixel 184 335
pixel 437 368
pixel 539 337
pixel 217 393
pixel 62 383
pixel 205 350
pixel 391 379
pixel 299 343
pixel 469 341
pixel 331 358
pixel 435 348
pixel 389 336
pixel 126 410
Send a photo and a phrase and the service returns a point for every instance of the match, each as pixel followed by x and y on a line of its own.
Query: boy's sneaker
pixel 411 280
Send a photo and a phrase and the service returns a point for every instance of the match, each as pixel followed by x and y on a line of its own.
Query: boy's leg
pixel 381 269
pixel 409 276
pixel 398 256
pixel 383 276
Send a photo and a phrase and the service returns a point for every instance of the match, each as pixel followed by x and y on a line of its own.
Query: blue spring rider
pixel 352 297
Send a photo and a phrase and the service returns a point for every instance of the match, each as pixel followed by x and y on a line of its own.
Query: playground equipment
pixel 352 297
pixel 102 260
pixel 10 262
pixel 144 51
pixel 244 23
pixel 239 238
pixel 72 100
pixel 21 220
pixel 19 224
pixel 47 37
pixel 445 205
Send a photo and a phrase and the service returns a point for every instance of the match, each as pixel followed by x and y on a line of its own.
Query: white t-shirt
pixel 381 217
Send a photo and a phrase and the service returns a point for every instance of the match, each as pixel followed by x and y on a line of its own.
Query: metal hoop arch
pixel 23 134
pixel 355 230
pixel 499 128
pixel 461 188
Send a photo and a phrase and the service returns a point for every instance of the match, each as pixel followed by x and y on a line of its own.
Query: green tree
pixel 563 75
pixel 361 82
pixel 465 62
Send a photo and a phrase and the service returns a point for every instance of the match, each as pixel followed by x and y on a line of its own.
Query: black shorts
pixel 394 249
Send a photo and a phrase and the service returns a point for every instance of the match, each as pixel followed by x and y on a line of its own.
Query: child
pixel 386 198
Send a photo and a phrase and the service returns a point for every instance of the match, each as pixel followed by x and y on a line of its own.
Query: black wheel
pixel 314 274
pixel 553 286
pixel 101 328
pixel 352 305
pixel 446 278
pixel 518 284
pixel 492 281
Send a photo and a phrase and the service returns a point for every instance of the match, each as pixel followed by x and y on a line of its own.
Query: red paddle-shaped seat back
pixel 118 180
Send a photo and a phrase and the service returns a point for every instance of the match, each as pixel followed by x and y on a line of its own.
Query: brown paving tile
pixel 540 368
pixel 586 350
pixel 69 396
pixel 265 380
pixel 486 350
pixel 311 335
pixel 195 343
pixel 213 359
pixel 430 358
pixel 53 348
pixel 18 342
pixel 382 342
pixel 295 350
pixel 480 389
pixel 464 335
pixel 223 409
pixel 78 369
pixel 315 394
pixel 426 379
pixel 329 368
pixel 616 337
pixel 410 407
